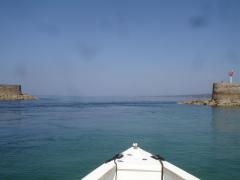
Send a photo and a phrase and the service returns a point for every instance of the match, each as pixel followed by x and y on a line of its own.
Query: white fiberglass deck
pixel 137 164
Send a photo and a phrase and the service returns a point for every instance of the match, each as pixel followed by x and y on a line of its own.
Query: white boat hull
pixel 137 164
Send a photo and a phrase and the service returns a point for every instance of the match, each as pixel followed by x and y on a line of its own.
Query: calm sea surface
pixel 67 137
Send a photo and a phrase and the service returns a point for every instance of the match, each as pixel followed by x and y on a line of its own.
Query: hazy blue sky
pixel 125 47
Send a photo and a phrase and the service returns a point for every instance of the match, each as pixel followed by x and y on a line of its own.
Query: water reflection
pixel 226 119
pixel 10 116
pixel 11 111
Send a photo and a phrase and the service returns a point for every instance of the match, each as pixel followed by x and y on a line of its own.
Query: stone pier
pixel 223 94
pixel 13 92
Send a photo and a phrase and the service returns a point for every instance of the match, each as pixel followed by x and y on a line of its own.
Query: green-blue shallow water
pixel 67 137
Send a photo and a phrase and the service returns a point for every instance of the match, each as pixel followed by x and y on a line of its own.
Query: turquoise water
pixel 67 137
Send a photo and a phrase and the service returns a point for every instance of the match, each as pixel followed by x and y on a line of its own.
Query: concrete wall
pixel 226 93
pixel 9 90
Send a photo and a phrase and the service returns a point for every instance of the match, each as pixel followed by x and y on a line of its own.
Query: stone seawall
pixel 13 92
pixel 8 90
pixel 223 94
pixel 226 93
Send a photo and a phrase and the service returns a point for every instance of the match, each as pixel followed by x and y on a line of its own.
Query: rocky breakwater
pixel 13 92
pixel 223 94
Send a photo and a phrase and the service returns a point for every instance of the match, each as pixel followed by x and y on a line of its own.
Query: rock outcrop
pixel 209 102
pixel 13 92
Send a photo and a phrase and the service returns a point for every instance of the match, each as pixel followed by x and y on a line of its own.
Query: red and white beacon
pixel 230 74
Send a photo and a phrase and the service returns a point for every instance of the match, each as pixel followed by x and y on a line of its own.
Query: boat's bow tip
pixel 135 145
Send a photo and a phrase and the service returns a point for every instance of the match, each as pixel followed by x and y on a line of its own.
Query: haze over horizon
pixel 112 48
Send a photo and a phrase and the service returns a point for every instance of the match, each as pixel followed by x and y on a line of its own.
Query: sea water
pixel 67 137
